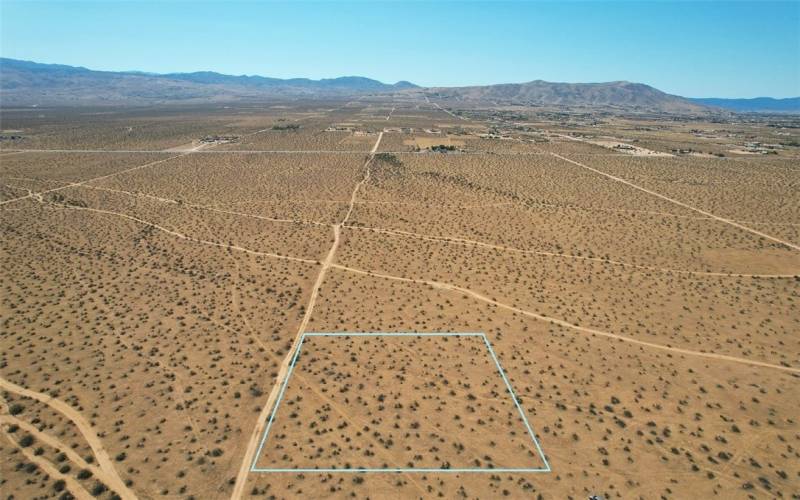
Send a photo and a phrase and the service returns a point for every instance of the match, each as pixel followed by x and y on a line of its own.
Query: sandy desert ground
pixel 637 276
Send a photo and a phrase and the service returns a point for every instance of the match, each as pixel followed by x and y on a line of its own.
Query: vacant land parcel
pixel 428 408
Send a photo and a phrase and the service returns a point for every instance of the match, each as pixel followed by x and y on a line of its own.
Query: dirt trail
pixel 680 203
pixel 56 444
pixel 205 207
pixel 81 183
pixel 328 263
pixel 592 331
pixel 72 485
pixel 189 238
pixel 505 203
pixel 103 460
pixel 199 151
pixel 446 111
pixel 334 405
pixel 250 452
pixel 464 241
pixel 191 147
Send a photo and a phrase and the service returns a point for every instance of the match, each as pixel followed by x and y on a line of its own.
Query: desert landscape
pixel 636 275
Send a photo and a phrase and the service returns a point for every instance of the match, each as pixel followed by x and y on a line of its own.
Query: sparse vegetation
pixel 157 295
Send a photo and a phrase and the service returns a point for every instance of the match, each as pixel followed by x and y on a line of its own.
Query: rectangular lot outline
pixel 482 335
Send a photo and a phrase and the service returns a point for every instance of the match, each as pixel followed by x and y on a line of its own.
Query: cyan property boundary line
pixel 532 434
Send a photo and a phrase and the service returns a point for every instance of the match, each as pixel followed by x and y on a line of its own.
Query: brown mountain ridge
pixel 25 83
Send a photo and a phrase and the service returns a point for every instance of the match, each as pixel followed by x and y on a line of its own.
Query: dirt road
pixel 464 241
pixel 680 203
pixel 253 444
pixel 592 331
pixel 189 238
pixel 447 111
pixel 204 207
pixel 81 183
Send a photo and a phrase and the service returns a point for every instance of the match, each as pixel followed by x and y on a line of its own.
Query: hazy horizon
pixel 721 50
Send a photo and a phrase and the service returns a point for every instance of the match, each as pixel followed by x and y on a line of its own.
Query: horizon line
pixel 256 75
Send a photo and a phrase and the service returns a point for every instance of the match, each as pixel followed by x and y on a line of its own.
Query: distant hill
pixel 24 83
pixel 755 105
pixel 27 83
pixel 343 83
pixel 627 95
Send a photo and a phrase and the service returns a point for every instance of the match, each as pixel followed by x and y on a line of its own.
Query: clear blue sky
pixel 696 49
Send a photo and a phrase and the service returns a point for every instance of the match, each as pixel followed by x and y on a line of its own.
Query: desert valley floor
pixel 635 275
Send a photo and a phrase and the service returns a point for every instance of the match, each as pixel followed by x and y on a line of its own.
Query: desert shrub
pixel 98 489
pixel 291 126
pixel 26 440
pixel 389 158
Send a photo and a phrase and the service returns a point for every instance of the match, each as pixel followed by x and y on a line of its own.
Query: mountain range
pixel 24 83
pixel 27 83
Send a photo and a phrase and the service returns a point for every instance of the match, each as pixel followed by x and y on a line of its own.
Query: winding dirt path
pixel 115 482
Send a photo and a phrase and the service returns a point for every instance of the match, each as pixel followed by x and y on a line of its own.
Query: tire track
pixel 103 460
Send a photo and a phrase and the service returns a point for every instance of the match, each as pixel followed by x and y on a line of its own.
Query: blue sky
pixel 696 49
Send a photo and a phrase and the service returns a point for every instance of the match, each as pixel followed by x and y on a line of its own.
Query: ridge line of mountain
pixel 29 83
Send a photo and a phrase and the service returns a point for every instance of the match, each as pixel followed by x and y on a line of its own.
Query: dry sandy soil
pixel 160 267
